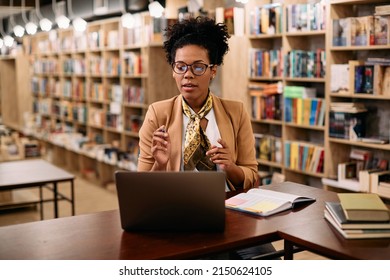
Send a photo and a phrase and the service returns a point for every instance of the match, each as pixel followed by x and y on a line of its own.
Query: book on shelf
pixel 376 178
pixel 364 79
pixel 347 107
pixel 234 20
pixel 382 10
pixel 306 16
pixel 365 179
pixel 363 207
pixel 336 211
pixel 347 125
pixel 339 78
pixel 268 147
pixel 381 30
pixel 347 170
pixel 342 31
pixel 266 19
pixel 352 68
pixel 362 31
pixel 374 140
pixel 386 82
pixel 266 100
pixel 263 202
pixel 381 75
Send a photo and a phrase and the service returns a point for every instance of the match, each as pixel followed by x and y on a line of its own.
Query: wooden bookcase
pixel 81 85
pixel 377 120
pixel 15 98
pixel 286 132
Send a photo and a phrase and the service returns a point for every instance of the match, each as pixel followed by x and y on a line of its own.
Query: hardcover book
pixel 362 31
pixel 357 233
pixel 339 78
pixel 381 30
pixel 265 202
pixel 337 213
pixel 363 207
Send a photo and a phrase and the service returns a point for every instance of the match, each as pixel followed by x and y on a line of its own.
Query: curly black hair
pixel 200 31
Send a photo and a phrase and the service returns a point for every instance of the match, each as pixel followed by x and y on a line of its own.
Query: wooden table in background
pixel 36 173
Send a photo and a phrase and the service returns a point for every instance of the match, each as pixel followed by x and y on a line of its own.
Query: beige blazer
pixel 233 123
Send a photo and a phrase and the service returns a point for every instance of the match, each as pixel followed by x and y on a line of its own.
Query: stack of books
pixel 359 216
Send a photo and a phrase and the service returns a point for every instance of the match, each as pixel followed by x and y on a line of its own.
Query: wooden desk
pixel 99 235
pixel 36 173
pixel 319 237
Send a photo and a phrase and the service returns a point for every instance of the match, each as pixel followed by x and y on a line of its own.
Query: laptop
pixel 171 201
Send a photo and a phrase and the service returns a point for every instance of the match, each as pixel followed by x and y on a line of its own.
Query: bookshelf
pixel 90 92
pixel 286 41
pixel 377 123
pixel 14 91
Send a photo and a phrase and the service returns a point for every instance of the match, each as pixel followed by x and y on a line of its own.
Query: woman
pixel 197 130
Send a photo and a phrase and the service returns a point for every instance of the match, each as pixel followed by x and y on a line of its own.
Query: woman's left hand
pixel 221 155
pixel 224 158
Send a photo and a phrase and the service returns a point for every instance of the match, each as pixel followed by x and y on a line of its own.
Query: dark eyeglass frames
pixel 197 68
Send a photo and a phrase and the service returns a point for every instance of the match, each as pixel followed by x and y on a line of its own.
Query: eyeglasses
pixel 197 68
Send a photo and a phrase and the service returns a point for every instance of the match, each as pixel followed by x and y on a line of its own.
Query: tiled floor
pixel 89 198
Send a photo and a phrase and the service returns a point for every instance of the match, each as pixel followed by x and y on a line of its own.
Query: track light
pixel 44 23
pixel 79 24
pixel 8 41
pixel 127 19
pixel 155 9
pixel 31 28
pixel 61 20
pixel 16 28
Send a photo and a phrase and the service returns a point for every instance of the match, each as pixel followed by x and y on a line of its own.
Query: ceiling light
pixel 59 12
pixel 62 22
pixel 44 23
pixel 79 24
pixel 155 9
pixel 127 20
pixel 8 41
pixel 31 28
pixel 18 30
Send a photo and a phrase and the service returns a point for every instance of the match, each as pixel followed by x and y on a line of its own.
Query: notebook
pixel 171 201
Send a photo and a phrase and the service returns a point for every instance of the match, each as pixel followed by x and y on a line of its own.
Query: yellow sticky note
pixel 262 206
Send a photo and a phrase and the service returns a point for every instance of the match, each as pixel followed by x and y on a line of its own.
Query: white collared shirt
pixel 212 133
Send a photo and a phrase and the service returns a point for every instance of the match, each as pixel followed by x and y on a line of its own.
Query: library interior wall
pixel 231 83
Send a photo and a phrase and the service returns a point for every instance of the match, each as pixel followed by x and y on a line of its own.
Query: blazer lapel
pixel 176 134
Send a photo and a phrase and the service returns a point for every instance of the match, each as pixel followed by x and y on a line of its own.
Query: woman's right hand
pixel 161 148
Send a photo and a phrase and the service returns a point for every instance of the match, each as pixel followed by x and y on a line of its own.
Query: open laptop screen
pixel 171 201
